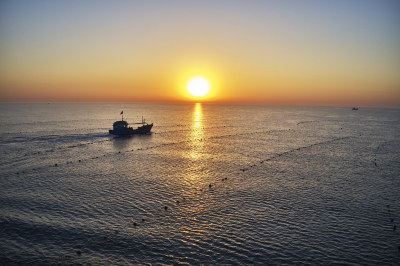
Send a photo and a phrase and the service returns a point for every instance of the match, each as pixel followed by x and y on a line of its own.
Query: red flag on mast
pixel 121 112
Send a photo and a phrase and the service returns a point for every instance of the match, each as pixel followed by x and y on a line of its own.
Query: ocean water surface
pixel 213 184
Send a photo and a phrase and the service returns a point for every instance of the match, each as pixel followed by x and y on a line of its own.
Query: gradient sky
pixel 309 52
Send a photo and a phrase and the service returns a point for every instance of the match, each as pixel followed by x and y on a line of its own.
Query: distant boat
pixel 355 108
pixel 122 128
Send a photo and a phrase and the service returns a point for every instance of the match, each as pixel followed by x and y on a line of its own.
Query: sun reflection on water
pixel 197 133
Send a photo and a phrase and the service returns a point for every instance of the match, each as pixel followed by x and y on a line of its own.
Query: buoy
pixel 209 185
pixel 394 228
pixel 78 252
pixel 143 220
pixel 177 201
pixel 165 208
pixel 134 224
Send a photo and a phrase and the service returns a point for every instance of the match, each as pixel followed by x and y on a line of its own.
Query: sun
pixel 198 86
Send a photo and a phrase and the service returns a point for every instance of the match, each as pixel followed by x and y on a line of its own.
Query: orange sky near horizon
pixel 267 52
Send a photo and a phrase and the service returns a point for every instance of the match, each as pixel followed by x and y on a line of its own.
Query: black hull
pixel 130 131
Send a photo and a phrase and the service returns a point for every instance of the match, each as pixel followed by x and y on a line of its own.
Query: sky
pixel 282 52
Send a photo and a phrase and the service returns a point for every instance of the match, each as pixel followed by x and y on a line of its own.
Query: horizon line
pixel 202 102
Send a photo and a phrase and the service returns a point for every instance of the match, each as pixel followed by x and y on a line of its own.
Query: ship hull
pixel 130 131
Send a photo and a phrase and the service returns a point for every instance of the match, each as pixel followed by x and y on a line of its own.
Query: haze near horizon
pixel 337 53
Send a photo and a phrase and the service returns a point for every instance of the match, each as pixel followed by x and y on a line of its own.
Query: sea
pixel 212 184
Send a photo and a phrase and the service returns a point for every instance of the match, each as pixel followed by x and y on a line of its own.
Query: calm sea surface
pixel 213 184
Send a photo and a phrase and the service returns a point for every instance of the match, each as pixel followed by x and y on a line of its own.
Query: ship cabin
pixel 120 125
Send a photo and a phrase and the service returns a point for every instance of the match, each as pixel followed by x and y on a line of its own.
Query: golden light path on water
pixel 194 154
pixel 197 174
pixel 197 133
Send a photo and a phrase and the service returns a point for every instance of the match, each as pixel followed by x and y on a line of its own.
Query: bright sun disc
pixel 198 87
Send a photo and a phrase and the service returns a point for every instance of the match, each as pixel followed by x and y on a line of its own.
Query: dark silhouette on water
pixel 122 128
